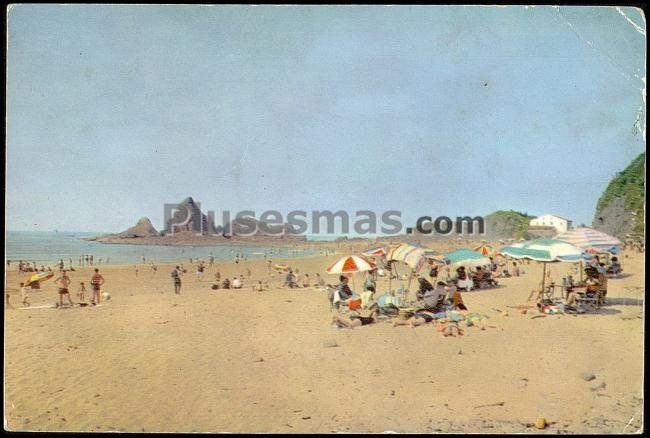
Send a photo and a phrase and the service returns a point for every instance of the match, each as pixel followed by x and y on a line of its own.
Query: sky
pixel 115 110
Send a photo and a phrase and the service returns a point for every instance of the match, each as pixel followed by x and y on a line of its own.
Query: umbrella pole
pixel 543 276
pixel 390 279
pixel 581 271
pixel 408 285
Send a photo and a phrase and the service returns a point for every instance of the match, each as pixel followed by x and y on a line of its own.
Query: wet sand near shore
pixel 246 361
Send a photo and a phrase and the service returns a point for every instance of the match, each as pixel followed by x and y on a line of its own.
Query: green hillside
pixel 508 223
pixel 627 186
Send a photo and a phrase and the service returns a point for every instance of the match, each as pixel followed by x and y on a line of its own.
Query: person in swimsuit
pixel 64 280
pixel 355 320
pixel 176 277
pixel 96 281
pixel 419 318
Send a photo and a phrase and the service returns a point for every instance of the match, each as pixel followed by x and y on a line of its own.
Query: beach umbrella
pixel 37 278
pixel 412 255
pixel 485 249
pixel 351 264
pixel 545 250
pixel 466 257
pixel 376 252
pixel 585 238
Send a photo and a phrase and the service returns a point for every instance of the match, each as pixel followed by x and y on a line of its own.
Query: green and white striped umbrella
pixel 545 250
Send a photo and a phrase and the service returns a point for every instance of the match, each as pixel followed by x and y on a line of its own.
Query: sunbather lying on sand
pixel 420 317
pixel 355 320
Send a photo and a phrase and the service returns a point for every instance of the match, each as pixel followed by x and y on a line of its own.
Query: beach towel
pixel 455 316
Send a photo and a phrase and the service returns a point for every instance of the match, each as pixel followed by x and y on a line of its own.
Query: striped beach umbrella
pixel 351 264
pixel 585 238
pixel 545 250
pixel 412 255
pixel 376 252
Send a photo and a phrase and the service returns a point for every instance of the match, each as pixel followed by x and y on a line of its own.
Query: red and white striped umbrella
pixel 350 264
pixel 376 252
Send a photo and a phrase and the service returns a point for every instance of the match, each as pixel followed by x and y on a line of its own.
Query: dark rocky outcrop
pixel 187 216
pixel 143 228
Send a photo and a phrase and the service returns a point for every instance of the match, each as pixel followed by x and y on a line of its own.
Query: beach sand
pixel 244 361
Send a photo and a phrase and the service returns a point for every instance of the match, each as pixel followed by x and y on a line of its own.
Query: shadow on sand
pixel 624 301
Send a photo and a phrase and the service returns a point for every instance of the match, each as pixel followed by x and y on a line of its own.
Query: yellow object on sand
pixel 41 276
pixel 540 423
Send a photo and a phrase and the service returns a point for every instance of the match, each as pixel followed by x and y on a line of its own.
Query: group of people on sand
pixel 431 302
pixel 25 266
pixel 295 280
pixel 237 282
pixel 64 282
pixel 96 283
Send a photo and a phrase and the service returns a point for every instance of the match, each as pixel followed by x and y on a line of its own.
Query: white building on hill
pixel 561 224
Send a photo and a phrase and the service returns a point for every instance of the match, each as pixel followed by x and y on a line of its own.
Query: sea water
pixel 47 248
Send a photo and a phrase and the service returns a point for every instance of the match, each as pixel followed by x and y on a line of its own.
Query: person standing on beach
pixel 176 276
pixel 96 281
pixel 82 292
pixel 64 280
pixel 23 294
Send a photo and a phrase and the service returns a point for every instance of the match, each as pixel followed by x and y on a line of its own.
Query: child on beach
pixel 82 292
pixel 199 271
pixel 23 294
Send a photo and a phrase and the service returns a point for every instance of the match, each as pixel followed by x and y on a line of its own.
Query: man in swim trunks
pixel 64 281
pixel 96 281
pixel 176 275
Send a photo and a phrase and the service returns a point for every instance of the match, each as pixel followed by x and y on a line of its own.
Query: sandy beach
pixel 245 361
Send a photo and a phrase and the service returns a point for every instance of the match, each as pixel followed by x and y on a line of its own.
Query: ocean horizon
pixel 48 247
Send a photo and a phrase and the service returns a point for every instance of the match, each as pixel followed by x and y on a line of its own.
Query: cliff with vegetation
pixel 504 224
pixel 620 209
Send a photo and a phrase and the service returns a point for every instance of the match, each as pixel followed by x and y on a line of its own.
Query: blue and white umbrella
pixel 466 257
pixel 545 250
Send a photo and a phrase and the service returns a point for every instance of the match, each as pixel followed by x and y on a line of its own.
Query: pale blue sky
pixel 114 110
